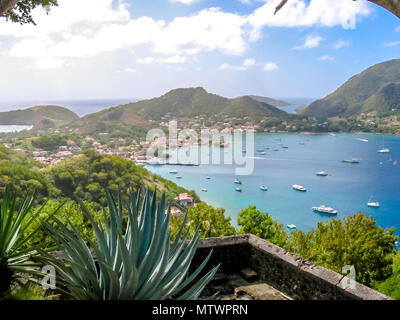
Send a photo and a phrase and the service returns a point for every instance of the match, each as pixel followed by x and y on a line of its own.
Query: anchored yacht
pixel 299 188
pixel 324 209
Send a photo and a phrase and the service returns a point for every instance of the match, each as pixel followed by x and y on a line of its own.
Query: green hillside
pixel 375 89
pixel 47 115
pixel 178 103
pixel 270 101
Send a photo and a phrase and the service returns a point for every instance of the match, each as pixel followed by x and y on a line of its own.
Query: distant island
pixel 47 116
pixel 272 102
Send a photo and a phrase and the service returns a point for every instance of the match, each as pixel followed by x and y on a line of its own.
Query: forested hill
pixel 45 115
pixel 179 103
pixel 377 89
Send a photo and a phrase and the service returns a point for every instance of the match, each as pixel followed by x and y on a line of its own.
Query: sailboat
pixel 373 204
pixel 384 150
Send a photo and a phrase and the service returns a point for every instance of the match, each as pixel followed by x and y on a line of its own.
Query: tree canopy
pixel 355 240
pixel 20 10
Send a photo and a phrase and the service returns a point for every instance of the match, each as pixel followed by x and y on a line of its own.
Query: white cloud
pixel 130 70
pixel 270 66
pixel 327 58
pixel 184 1
pixel 391 44
pixel 102 26
pixel 171 60
pixel 49 63
pixel 341 44
pixel 210 29
pixel 310 42
pixel 147 60
pixel 109 28
pixel 243 67
pixel 300 13
pixel 397 29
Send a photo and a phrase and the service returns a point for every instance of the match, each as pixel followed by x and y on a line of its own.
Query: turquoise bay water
pixel 347 188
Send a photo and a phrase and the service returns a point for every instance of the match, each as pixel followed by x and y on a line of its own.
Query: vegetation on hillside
pixel 87 175
pixel 355 240
pixel 34 115
pixel 252 220
pixel 375 89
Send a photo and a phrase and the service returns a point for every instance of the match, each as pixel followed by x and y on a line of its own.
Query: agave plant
pixel 15 256
pixel 132 259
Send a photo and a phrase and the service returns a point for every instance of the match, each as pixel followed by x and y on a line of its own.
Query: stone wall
pixel 285 271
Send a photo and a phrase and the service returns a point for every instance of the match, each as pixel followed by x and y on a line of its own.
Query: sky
pixel 105 49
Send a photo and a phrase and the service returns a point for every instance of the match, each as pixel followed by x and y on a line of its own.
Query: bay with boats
pixel 303 179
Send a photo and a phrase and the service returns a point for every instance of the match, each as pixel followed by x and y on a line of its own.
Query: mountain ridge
pixel 377 88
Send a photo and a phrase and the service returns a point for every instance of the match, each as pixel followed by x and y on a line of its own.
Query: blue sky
pixel 141 49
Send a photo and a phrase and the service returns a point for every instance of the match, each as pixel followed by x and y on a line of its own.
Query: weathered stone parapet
pixel 285 271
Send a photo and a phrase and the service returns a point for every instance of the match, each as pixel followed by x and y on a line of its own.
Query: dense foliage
pixel 212 222
pixel 22 174
pixel 87 175
pixel 15 255
pixel 355 240
pixel 262 225
pixel 391 286
pixel 22 12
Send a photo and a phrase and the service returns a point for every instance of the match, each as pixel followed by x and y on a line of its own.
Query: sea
pixel 347 188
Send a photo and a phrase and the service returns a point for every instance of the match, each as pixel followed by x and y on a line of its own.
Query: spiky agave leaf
pixel 14 255
pixel 135 261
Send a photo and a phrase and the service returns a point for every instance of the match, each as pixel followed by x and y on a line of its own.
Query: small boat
pixel 285 147
pixel 383 150
pixel 373 204
pixel 264 188
pixel 299 188
pixel 354 160
pixel 237 181
pixel 275 149
pixel 173 171
pixel 260 150
pixel 238 190
pixel 324 209
pixel 321 173
pixel 179 177
pixel 291 226
pixel 302 143
pixel 208 178
pixel 263 153
pixel 204 190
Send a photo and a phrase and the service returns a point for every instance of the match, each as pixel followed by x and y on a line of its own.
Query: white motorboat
pixel 299 187
pixel 325 209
